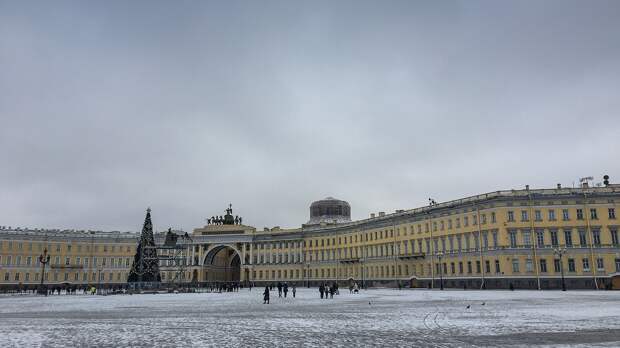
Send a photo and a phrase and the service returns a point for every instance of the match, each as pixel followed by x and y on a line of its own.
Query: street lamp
pixel 440 256
pixel 560 252
pixel 99 281
pixel 44 259
pixel 431 204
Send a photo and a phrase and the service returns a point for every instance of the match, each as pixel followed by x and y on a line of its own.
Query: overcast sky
pixel 109 107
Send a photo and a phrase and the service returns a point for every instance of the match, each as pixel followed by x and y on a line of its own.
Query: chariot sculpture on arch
pixel 228 219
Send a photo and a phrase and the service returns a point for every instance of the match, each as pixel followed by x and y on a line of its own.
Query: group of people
pixel 283 288
pixel 328 291
pixel 223 287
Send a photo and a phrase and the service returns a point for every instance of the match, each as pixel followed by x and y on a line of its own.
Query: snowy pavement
pixel 381 317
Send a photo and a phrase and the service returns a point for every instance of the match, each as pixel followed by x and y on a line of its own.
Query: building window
pixel 596 236
pixel 461 267
pixel 511 216
pixel 540 238
pixel 515 265
pixel 551 215
pixel 579 214
pixel 528 265
pixel 537 215
pixel 469 267
pixel 493 218
pixel 543 266
pixel 614 237
pixel 600 264
pixel 565 215
pixel 526 238
pixel 554 238
pixel 513 239
pixel 7 276
pixel 478 268
pixel 583 241
pixel 465 221
pixel 524 216
pixel 571 265
pixel 556 265
pixel 586 265
pixel 617 265
pixel 593 214
pixel 568 238
pixel 497 269
pixel 487 266
pixel 612 213
pixel 494 239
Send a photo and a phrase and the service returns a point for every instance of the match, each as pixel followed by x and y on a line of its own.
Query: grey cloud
pixel 107 108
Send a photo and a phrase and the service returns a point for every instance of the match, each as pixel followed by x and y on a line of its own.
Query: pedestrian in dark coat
pixel 294 290
pixel 266 295
pixel 279 289
pixel 321 290
pixel 285 288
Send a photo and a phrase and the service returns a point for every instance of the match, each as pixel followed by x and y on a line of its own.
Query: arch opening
pixel 222 264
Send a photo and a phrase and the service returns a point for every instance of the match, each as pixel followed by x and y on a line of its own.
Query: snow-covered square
pixel 378 317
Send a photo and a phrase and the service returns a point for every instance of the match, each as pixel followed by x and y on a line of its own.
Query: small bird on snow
pixel 368 302
pixel 468 306
pixel 483 303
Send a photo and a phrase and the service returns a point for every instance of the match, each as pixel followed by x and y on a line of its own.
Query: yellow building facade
pixel 515 238
pixel 76 258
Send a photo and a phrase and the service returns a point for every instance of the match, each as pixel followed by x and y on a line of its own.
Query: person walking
pixel 321 290
pixel 266 295
pixel 285 288
pixel 279 289
pixel 327 290
pixel 294 290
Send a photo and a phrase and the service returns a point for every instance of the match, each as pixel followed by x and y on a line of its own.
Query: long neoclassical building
pixel 521 238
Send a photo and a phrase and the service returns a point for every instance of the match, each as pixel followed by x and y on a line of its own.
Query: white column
pixel 243 254
pixel 252 253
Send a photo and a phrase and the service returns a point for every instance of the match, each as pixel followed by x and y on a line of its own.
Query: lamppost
pixel 560 252
pixel 440 256
pixel 431 250
pixel 99 281
pixel 44 259
pixel 362 271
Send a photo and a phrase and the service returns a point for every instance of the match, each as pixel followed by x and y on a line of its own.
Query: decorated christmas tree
pixel 145 267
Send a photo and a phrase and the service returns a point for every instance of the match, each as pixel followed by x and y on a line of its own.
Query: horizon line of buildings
pixel 529 238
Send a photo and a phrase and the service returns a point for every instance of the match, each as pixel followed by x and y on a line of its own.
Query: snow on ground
pixel 378 317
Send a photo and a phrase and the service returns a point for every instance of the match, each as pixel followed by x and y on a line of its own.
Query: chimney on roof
pixel 559 186
pixel 372 215
pixel 584 185
pixel 381 213
pixel 527 187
